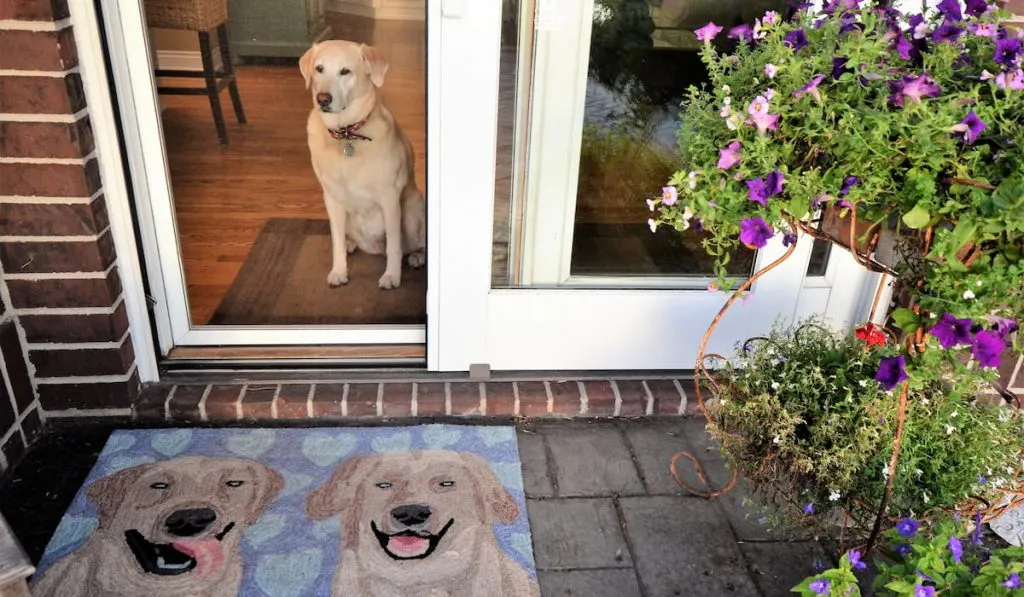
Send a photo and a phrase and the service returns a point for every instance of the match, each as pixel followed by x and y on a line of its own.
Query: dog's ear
pixel 108 493
pixel 306 64
pixel 333 496
pixel 376 65
pixel 499 504
pixel 270 483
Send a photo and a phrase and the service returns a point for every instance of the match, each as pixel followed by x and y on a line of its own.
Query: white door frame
pixel 135 86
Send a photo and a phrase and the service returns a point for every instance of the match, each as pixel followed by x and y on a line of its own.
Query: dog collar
pixel 350 132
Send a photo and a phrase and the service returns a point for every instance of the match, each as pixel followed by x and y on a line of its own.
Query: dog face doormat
pixel 425 510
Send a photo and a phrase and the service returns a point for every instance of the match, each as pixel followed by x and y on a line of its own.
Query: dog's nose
pixel 411 516
pixel 186 523
pixel 324 99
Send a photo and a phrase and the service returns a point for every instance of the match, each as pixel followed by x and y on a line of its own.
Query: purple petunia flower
pixel 774 182
pixel 820 587
pixel 755 233
pixel 904 549
pixel 788 239
pixel 956 548
pixel 983 29
pixel 915 21
pixel 892 372
pixel 708 32
pixel 729 155
pixel 924 591
pixel 848 23
pixel 811 88
pixel 758 106
pixel 741 32
pixel 1004 325
pixel 988 347
pixel 971 126
pixel 951 10
pixel 950 331
pixel 855 560
pixel 976 8
pixel 1012 80
pixel 764 122
pixel 820 200
pixel 839 67
pixel 757 191
pixel 808 509
pixel 770 70
pixel 1007 51
pixel 947 33
pixel 907 527
pixel 796 39
pixel 840 5
pixel 976 535
pixel 669 195
pixel 912 89
pixel 848 183
pixel 905 49
pixel 697 225
pixel 1013 582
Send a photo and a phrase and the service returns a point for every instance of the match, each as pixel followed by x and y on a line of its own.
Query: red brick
pixel 76 328
pixel 58 257
pixel 38 50
pixel 185 402
pixel 50 180
pixel 666 396
pixel 151 401
pixel 430 399
pixel 66 293
pixel 291 401
pixel 533 399
pixel 1015 6
pixel 600 398
pixel 34 10
pixel 634 398
pixel 115 394
pixel 46 139
pixel 327 400
pixel 222 403
pixel 465 397
pixel 16 368
pixel 362 399
pixel 565 398
pixel 257 402
pixel 77 362
pixel 42 95
pixel 397 399
pixel 53 219
pixel 501 399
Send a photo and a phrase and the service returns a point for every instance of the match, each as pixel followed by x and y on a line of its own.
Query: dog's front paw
pixel 417 258
pixel 389 281
pixel 337 278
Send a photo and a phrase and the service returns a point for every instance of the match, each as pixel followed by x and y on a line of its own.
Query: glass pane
pixel 252 226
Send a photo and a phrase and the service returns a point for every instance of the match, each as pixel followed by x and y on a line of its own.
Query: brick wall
pixel 64 333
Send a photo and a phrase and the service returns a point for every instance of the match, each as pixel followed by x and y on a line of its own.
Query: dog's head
pixel 411 505
pixel 176 516
pixel 343 78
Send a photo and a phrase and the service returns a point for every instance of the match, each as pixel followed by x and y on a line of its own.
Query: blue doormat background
pixel 285 553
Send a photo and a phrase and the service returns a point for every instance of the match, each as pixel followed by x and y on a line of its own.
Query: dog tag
pixel 349 149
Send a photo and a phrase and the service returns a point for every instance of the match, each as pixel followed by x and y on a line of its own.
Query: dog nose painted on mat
pixel 411 515
pixel 324 99
pixel 186 523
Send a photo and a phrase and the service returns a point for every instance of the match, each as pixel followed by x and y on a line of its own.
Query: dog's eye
pixel 235 483
pixel 345 71
pixel 447 484
pixel 160 485
pixel 319 68
pixel 384 485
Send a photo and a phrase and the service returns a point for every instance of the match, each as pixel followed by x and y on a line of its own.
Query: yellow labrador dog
pixel 363 160
pixel 166 529
pixel 419 524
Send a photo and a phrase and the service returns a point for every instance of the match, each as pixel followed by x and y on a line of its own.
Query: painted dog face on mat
pixel 417 510
pixel 182 517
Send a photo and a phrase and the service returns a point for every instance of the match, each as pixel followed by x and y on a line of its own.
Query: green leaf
pixel 917 218
pixel 906 320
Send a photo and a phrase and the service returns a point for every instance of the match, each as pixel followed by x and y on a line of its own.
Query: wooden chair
pixel 203 17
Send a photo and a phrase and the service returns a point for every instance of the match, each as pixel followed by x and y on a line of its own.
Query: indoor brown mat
pixel 284 282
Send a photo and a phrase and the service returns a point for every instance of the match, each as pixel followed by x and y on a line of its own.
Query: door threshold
pixel 278 358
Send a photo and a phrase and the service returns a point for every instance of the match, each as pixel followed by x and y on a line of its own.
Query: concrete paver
pixel 589 583
pixel 592 460
pixel 577 533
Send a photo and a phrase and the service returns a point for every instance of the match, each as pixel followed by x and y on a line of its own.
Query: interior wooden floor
pixel 223 197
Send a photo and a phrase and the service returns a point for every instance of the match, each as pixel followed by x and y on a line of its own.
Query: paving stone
pixel 591 460
pixel 654 445
pixel 778 567
pixel 684 546
pixel 589 583
pixel 533 454
pixel 577 533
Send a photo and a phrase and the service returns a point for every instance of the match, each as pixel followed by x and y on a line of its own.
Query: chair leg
pixel 229 70
pixel 210 75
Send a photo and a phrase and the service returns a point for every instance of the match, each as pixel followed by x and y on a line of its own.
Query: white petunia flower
pixel 687 213
pixel 726 89
pixel 775 385
pixel 650 204
pixel 863 383
pixel 968 294
pixel 950 429
pixel 954 414
pixel 776 440
pixel 691 181
pixel 834 496
pixel 653 225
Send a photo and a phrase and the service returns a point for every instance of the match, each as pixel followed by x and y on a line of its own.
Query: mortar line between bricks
pixel 238 402
pixel 618 397
pixel 35 26
pixel 550 400
pixel 629 545
pixel 447 398
pixel 632 455
pixel 380 399
pixel 515 399
pixel 273 401
pixel 202 402
pixel 584 399
pixel 684 399
pixel 481 390
pixel 649 409
pixel 344 401
pixel 51 74
pixel 309 401
pixel 414 402
pixel 167 403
